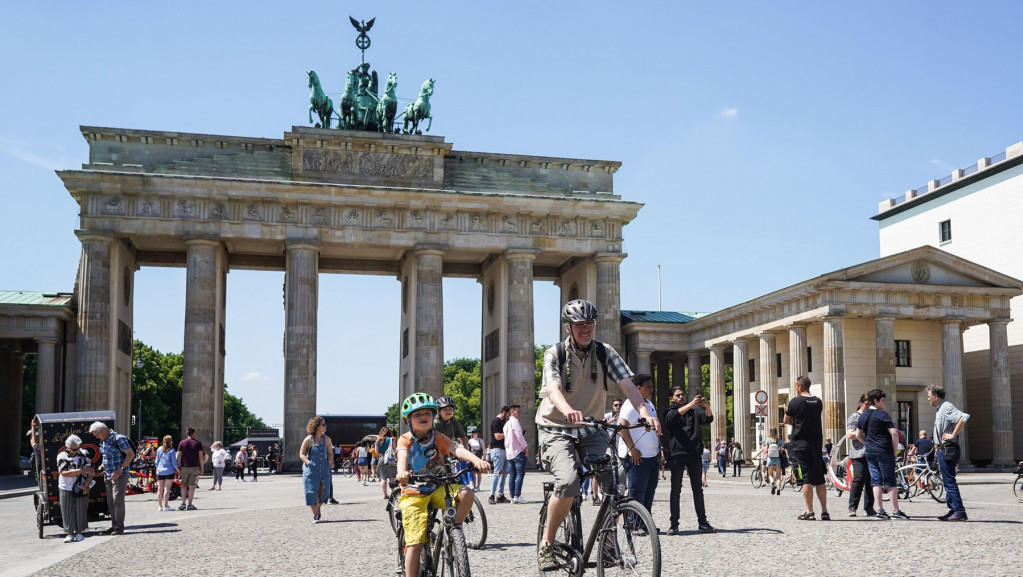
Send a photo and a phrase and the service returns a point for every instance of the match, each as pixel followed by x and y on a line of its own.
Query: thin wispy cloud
pixel 22 151
pixel 940 163
pixel 254 377
pixel 728 113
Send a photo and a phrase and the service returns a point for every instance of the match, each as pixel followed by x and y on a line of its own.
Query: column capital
pixel 719 347
pixel 302 244
pixel 644 352
pixel 951 322
pixel 202 241
pixel 833 317
pixel 47 340
pixel 521 254
pixel 744 340
pixel 95 236
pixel 797 325
pixel 998 321
pixel 613 257
pixel 429 250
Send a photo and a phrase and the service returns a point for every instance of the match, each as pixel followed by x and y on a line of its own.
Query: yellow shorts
pixel 413 512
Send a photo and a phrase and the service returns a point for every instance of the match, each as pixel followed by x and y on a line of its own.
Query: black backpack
pixel 601 358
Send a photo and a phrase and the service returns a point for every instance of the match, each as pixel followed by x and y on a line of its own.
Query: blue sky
pixel 759 135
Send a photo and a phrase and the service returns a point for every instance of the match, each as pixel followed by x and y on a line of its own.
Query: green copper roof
pixel 34 298
pixel 658 317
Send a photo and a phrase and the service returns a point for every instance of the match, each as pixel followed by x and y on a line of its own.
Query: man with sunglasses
pixel 576 374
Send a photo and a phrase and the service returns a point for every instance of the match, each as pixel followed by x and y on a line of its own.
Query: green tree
pixel 238 418
pixel 462 382
pixel 393 414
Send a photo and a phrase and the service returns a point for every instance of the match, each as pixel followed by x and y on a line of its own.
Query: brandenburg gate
pixel 334 201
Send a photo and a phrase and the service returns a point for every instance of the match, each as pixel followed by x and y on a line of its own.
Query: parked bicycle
pixel 1017 485
pixel 922 476
pixel 756 476
pixel 623 531
pixel 445 554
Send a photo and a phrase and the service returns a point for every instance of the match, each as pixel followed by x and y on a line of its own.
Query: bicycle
pixel 444 555
pixel 628 538
pixel 1017 485
pixel 474 526
pixel 756 477
pixel 925 476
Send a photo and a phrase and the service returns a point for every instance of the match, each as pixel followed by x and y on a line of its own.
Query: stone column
pixel 609 321
pixel 661 386
pixel 643 364
pixel 678 373
pixel 198 391
pixel 1001 395
pixel 834 378
pixel 797 352
pixel 768 381
pixel 46 376
pixel 740 394
pixel 429 347
pixel 884 333
pixel 93 382
pixel 11 429
pixel 521 369
pixel 301 290
pixel 719 427
pixel 695 384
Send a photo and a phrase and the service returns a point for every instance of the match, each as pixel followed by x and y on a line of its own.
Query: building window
pixel 945 231
pixel 809 360
pixel 902 355
pixel 752 370
pixel 777 363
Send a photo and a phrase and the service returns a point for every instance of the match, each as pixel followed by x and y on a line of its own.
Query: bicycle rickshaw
pixel 52 430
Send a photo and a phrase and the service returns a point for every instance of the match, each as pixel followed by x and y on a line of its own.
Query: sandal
pixel 825 516
pixel 806 516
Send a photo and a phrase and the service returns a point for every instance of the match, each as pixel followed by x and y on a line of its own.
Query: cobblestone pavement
pixel 264 529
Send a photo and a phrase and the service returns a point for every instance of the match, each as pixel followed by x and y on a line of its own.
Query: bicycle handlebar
pixel 438 479
pixel 603 424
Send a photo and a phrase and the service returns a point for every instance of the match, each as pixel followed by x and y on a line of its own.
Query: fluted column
pixel 662 384
pixel 609 322
pixel 884 333
pixel 797 352
pixel 719 428
pixel 1001 394
pixel 198 389
pixel 301 290
pixel 429 347
pixel 11 429
pixel 92 380
pixel 740 394
pixel 768 381
pixel 46 377
pixel 834 378
pixel 521 355
pixel 695 384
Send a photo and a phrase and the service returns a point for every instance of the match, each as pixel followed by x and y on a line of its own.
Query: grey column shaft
pixel 429 347
pixel 740 395
pixel 797 352
pixel 952 372
pixel 301 287
pixel 46 376
pixel 884 333
pixel 768 381
pixel 521 352
pixel 93 381
pixel 1001 395
pixel 834 378
pixel 719 427
pixel 11 429
pixel 643 364
pixel 609 322
pixel 198 394
pixel 694 386
pixel 662 386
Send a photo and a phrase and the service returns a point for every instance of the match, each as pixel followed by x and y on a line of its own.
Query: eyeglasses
pixel 585 326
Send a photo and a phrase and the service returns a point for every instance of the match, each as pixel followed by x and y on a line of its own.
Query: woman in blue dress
pixel 316 465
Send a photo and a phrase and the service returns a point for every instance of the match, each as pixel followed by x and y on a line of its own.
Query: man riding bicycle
pixel 575 375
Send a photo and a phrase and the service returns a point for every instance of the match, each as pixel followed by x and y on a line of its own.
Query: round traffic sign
pixel 761 396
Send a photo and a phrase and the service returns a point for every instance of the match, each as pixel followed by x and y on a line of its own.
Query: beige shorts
pixel 189 476
pixel 559 456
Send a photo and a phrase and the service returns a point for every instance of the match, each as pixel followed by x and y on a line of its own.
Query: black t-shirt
pixel 923 447
pixel 875 424
pixel 496 427
pixel 807 432
pixel 684 433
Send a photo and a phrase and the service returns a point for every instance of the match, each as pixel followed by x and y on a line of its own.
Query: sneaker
pixel 334 501
pixel 596 502
pixel 316 518
pixel 191 507
pixel 492 500
pixel 706 528
pixel 168 508
pixel 79 537
pixel 946 516
pixel 502 499
pixel 773 489
pixel 519 500
pixel 160 509
pixel 959 517
pixel 870 512
pixel 182 507
pixel 364 483
pixel 882 515
pixel 897 514
pixel 212 489
pixel 672 531
pixel 69 539
pixel 852 512
pixel 545 558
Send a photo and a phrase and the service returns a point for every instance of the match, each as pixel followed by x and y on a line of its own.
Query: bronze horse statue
pixel 319 102
pixel 388 105
pixel 347 119
pixel 419 110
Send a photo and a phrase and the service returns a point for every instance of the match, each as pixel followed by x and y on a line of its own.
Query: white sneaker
pixel 364 483
pixel 69 539
pixel 79 537
pixel 519 500
pixel 159 509
pixel 168 508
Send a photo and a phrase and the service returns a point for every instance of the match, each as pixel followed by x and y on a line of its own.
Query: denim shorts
pixel 882 469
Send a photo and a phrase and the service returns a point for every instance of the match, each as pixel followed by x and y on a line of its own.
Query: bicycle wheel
pixel 393 510
pixel 457 563
pixel 902 482
pixel 1017 488
pixel 628 543
pixel 935 486
pixel 756 478
pixel 565 537
pixel 474 527
pixel 346 468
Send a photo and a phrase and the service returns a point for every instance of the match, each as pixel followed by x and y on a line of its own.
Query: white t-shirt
pixel 644 440
pixel 219 456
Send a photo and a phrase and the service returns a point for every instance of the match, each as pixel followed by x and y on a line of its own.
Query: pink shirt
pixel 514 439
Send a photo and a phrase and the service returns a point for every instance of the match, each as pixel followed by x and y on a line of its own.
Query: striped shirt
pixel 945 419
pixel 112 452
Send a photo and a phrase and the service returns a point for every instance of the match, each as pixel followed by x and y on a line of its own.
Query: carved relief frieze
pixel 509 224
pixel 566 227
pixel 217 211
pixel 448 221
pixel 597 229
pixel 384 218
pixel 353 217
pixel 538 226
pixel 416 219
pixel 367 163
pixel 149 207
pixel 287 213
pixel 184 208
pixel 113 205
pixel 320 216
pixel 253 212
pixel 478 223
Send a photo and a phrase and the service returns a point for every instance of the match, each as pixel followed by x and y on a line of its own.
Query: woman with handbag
pixel 387 468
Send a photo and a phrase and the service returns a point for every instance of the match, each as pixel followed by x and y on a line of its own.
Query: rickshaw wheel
pixel 39 519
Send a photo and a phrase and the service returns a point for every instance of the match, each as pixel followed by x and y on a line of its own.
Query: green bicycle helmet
pixel 417 401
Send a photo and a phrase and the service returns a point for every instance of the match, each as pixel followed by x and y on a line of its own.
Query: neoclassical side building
pixel 895 323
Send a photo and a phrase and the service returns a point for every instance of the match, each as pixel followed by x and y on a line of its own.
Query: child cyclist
pixel 424 450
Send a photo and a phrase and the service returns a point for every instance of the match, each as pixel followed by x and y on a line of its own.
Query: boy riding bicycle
pixel 575 376
pixel 423 450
